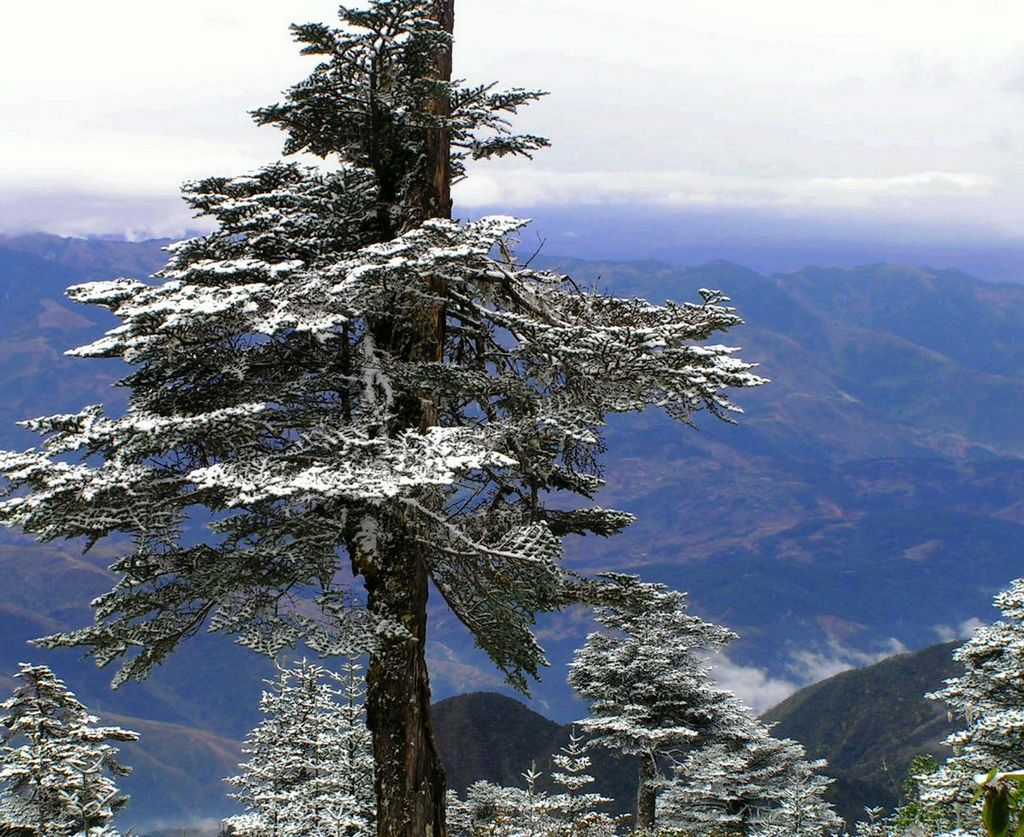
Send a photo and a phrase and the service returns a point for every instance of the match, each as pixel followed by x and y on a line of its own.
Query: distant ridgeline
pixel 869 498
pixel 870 723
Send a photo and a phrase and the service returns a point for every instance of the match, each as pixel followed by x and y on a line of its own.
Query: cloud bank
pixel 761 691
pixel 795 106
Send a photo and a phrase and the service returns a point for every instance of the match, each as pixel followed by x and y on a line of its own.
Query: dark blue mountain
pixel 870 498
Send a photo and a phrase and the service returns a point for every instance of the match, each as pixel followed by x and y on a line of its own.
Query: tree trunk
pixel 409 776
pixel 645 794
pixel 437 199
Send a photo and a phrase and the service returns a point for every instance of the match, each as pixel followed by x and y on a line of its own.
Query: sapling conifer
pixel 577 810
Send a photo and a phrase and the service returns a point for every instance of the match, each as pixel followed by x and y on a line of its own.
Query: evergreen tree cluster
pixel 711 769
pixel 491 809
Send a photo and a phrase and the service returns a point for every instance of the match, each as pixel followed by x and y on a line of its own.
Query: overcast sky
pixel 909 111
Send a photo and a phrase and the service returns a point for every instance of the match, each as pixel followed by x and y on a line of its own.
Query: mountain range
pixel 868 501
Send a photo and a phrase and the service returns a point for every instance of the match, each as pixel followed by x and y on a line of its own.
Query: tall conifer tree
pixel 740 780
pixel 355 397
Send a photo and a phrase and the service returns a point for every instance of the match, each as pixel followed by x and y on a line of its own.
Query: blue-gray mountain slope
pixel 871 497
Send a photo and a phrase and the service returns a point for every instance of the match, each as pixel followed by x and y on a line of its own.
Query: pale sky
pixel 905 109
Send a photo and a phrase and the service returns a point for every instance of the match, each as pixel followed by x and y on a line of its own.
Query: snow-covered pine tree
pixel 492 810
pixel 346 388
pixel 488 809
pixel 310 767
pixel 989 697
pixel 742 781
pixel 56 766
pixel 800 811
pixel 646 679
pixel 575 809
pixel 353 768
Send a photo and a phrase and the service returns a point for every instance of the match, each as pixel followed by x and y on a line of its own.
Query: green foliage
pixel 913 816
pixel 913 812
pixel 1002 810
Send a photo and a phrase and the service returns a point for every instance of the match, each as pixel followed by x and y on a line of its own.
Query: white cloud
pixel 525 187
pixel 970 626
pixel 134 216
pixel 752 685
pixel 964 630
pixel 761 691
pixel 861 190
pixel 811 666
pixel 148 205
pixel 456 675
pixel 793 104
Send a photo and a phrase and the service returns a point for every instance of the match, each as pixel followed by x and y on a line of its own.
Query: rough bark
pixel 437 197
pixel 410 778
pixel 435 201
pixel 645 794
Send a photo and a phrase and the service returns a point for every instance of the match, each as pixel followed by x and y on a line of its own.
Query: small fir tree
pixel 648 685
pixel 742 781
pixel 800 811
pixel 574 808
pixel 310 771
pixel 56 765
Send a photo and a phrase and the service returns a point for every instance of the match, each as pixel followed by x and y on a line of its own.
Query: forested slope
pixel 870 723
